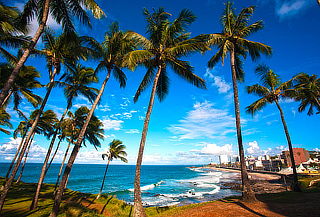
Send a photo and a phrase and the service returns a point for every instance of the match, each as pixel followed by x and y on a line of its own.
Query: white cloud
pixel 112 124
pixel 289 8
pixel 124 115
pixel 217 81
pixel 8 150
pixel 133 131
pixel 253 148
pixel 214 149
pixel 204 121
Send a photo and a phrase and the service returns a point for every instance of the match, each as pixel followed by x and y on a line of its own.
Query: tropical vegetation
pixel 75 62
pixel 233 41
pixel 272 90
pixel 115 151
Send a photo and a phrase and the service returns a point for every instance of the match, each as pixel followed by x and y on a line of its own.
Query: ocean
pixel 160 185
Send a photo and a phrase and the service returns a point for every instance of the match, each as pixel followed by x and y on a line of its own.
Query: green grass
pixel 77 204
pixel 304 184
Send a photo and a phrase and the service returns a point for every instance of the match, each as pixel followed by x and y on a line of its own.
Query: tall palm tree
pixel 307 91
pixel 76 82
pixel 65 49
pixel 116 44
pixel 271 91
pixel 23 86
pixel 116 151
pixel 233 41
pixel 45 126
pixel 63 12
pixel 167 43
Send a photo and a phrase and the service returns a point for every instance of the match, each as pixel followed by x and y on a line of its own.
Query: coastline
pixel 262 183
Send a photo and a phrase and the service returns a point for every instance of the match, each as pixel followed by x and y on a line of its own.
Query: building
pixel 300 156
pixel 224 159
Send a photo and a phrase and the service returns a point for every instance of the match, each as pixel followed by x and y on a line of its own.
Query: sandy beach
pixel 261 183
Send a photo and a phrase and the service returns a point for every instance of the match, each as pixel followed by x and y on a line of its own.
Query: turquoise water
pixel 160 185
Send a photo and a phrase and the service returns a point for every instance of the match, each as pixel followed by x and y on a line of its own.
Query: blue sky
pixel 193 126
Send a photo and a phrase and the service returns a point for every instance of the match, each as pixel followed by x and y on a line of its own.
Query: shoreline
pixel 261 183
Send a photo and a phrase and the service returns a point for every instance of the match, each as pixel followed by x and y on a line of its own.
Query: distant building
pixel 224 159
pixel 300 156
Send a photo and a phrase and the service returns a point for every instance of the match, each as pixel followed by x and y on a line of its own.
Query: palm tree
pixel 22 87
pixel 5 121
pixel 116 151
pixel 45 126
pixel 271 91
pixel 233 41
pixel 167 43
pixel 63 12
pixel 307 91
pixel 65 49
pixel 76 82
pixel 112 50
pixel 11 32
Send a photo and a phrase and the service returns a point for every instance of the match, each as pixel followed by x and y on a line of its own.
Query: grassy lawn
pixel 82 204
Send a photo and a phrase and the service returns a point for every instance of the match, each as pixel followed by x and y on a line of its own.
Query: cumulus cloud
pixel 204 121
pixel 217 81
pixel 214 149
pixel 255 150
pixel 8 150
pixel 111 124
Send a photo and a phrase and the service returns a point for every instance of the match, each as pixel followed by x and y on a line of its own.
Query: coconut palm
pixel 271 91
pixel 116 44
pixel 116 151
pixel 65 49
pixel 233 41
pixel 22 87
pixel 63 12
pixel 76 82
pixel 11 32
pixel 45 126
pixel 307 92
pixel 167 43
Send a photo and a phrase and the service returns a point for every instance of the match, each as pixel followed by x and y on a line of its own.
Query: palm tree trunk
pixel 54 155
pixel 76 148
pixel 24 147
pixel 7 98
pixel 104 178
pixel 25 160
pixel 247 192
pixel 138 210
pixel 295 175
pixel 61 167
pixel 44 168
pixel 13 160
pixel 24 57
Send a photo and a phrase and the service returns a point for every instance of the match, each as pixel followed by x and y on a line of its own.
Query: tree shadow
pixel 249 209
pixel 104 207
pixel 231 200
pixel 131 208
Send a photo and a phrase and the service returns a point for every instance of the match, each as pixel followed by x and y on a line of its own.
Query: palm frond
pixel 257 105
pixel 146 81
